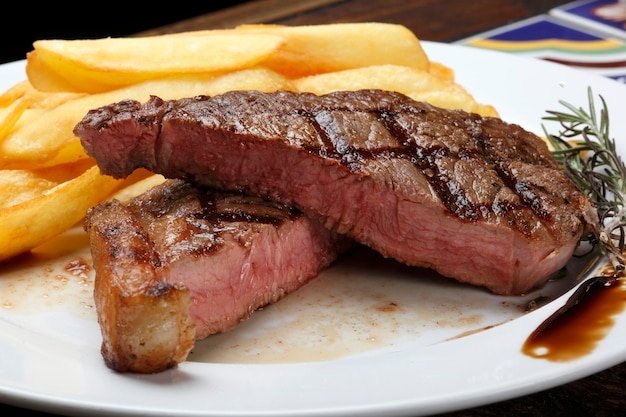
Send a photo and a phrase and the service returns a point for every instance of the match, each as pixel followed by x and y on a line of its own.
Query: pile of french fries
pixel 47 182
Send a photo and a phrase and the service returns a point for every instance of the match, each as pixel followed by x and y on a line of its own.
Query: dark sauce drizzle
pixel 575 329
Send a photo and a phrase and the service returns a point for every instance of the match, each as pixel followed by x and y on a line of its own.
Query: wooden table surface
pixel 601 394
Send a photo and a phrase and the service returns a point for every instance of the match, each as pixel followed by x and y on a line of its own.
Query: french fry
pixel 97 65
pixel 318 49
pixel 46 77
pixel 12 94
pixel 32 222
pixel 10 115
pixel 17 186
pixel 419 85
pixel 441 71
pixel 35 98
pixel 46 100
pixel 125 194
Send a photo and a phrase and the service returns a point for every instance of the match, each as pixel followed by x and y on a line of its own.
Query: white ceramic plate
pixel 367 338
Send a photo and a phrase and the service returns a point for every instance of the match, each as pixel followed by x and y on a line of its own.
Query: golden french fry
pixel 97 65
pixel 44 138
pixel 442 71
pixel 48 100
pixel 41 74
pixel 26 97
pixel 12 94
pixel 10 116
pixel 17 186
pixel 125 194
pixel 30 223
pixel 34 98
pixel 419 85
pixel 317 49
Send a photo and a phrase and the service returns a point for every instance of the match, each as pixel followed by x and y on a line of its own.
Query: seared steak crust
pixel 144 320
pixel 475 198
pixel 179 263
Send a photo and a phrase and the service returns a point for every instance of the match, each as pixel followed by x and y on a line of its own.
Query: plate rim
pixel 406 401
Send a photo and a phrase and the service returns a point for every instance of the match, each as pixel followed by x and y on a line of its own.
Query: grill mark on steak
pixel 453 197
pixel 475 198
pixel 217 208
pixel 237 209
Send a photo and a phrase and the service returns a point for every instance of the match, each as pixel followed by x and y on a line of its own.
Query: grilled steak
pixel 475 198
pixel 178 264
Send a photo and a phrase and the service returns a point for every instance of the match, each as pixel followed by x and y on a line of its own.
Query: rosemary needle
pixel 587 155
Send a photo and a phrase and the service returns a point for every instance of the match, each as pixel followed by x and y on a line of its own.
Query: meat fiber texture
pixel 178 264
pixel 475 198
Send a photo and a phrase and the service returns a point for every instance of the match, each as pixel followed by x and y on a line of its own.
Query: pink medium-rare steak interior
pixel 179 263
pixel 477 199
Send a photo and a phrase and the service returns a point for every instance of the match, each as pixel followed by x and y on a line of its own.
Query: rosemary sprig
pixel 587 154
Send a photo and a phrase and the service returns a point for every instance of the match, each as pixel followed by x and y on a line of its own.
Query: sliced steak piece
pixel 178 264
pixel 477 199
